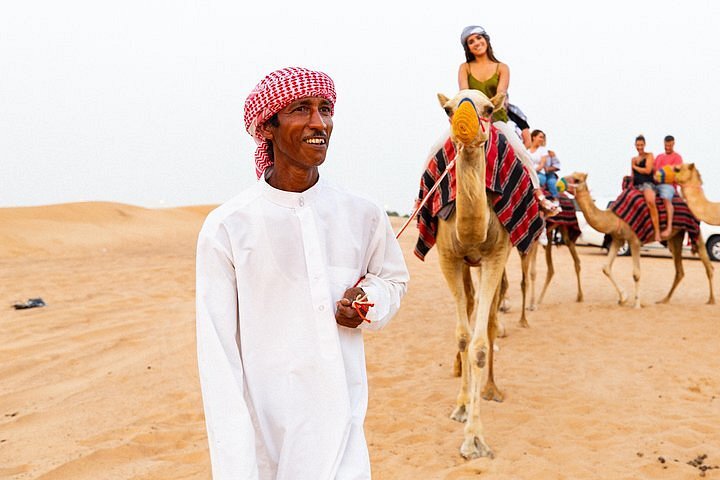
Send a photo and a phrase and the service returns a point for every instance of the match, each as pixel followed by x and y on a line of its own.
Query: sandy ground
pixel 102 383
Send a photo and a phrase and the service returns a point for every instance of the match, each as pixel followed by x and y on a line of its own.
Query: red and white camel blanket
pixel 567 216
pixel 514 204
pixel 630 206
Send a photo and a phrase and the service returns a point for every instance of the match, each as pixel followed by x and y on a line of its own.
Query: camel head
pixel 470 113
pixel 687 174
pixel 576 182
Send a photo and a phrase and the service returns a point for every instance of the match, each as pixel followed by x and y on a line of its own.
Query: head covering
pixel 472 30
pixel 275 92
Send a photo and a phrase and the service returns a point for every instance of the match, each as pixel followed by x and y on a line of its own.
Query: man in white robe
pixel 280 347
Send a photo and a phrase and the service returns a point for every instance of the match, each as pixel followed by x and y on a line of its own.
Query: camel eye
pixel 487 111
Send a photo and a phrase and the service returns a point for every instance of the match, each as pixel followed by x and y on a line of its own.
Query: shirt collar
pixel 290 199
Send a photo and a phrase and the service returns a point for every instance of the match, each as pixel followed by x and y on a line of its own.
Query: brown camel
pixel 473 237
pixel 606 221
pixel 688 177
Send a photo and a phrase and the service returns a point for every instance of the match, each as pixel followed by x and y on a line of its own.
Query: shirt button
pixel 301 201
pixel 321 308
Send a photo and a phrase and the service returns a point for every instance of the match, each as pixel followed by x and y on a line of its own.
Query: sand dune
pixel 102 383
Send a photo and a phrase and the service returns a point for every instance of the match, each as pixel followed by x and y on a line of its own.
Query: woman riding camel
pixel 642 179
pixel 481 63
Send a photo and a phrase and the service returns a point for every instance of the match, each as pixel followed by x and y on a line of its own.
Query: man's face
pixel 303 134
pixel 669 146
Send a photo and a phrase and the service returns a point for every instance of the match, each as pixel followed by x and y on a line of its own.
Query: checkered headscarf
pixel 275 92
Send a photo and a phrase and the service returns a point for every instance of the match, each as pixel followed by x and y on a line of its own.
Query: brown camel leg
pixel 576 259
pixel 607 269
pixel 474 444
pixel 525 266
pixel 490 391
pixel 549 263
pixel 452 269
pixel 675 246
pixel 702 252
pixel 533 274
pixel 471 304
pixel 635 252
pixel 504 302
pixel 504 287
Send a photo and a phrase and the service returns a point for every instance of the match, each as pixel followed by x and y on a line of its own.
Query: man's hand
pixel 345 315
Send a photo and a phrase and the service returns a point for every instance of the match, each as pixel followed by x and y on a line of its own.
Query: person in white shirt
pixel 279 336
pixel 545 163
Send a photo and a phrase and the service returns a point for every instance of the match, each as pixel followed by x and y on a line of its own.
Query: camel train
pixel 474 246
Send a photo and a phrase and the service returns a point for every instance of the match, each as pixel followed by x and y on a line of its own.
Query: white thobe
pixel 284 386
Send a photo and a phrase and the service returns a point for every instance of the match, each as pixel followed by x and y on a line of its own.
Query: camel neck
pixel 600 220
pixel 471 201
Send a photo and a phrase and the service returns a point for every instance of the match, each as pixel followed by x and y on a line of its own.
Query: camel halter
pixel 465 124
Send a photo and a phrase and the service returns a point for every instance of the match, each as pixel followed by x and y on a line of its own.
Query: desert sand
pixel 102 382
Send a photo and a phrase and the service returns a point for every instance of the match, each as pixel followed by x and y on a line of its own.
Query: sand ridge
pixel 102 383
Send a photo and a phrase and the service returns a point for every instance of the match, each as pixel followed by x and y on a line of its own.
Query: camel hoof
pixel 475 448
pixel 580 299
pixel 459 414
pixel 491 392
pixel 504 307
pixel 663 301
pixel 524 323
pixel 711 301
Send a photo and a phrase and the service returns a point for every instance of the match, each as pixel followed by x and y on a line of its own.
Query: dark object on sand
pixel 31 303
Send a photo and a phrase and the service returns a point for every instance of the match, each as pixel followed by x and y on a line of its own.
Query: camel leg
pixel 702 252
pixel 607 270
pixel 635 252
pixel 504 286
pixel 675 246
pixel 549 263
pixel 504 302
pixel 490 391
pixel 533 274
pixel 471 304
pixel 453 270
pixel 525 266
pixel 576 259
pixel 474 444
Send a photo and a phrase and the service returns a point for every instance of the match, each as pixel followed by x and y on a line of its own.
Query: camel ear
pixel 498 100
pixel 442 99
pixel 691 166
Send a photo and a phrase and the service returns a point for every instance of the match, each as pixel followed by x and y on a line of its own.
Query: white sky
pixel 141 101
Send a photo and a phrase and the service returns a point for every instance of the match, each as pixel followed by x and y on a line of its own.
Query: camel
pixel 606 221
pixel 473 237
pixel 688 177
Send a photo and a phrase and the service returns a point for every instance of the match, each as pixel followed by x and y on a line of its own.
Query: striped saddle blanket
pixel 631 208
pixel 514 202
pixel 566 217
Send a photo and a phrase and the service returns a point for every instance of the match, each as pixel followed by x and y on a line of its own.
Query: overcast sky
pixel 141 101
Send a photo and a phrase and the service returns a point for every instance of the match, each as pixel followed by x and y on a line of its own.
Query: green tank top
pixel 489 88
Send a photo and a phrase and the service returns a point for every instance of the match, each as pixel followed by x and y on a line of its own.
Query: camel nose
pixel 465 122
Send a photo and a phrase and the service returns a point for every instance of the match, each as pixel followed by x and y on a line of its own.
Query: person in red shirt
pixel 666 191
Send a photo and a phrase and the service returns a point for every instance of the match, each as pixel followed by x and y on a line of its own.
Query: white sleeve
pixel 386 280
pixel 230 431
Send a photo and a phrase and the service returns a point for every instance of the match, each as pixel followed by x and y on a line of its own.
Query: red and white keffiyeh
pixel 275 92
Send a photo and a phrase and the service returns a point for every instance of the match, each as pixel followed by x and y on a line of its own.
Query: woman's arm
pixel 463 76
pixel 504 78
